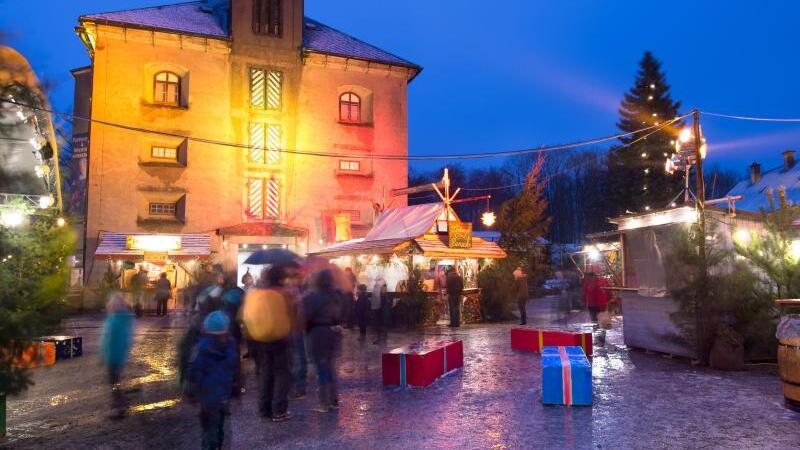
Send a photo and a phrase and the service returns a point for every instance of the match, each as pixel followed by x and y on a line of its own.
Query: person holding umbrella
pixel 268 320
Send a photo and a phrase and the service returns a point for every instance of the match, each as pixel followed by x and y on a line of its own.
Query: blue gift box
pixel 566 376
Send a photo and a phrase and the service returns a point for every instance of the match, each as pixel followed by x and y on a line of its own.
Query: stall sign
pixel 153 243
pixel 156 257
pixel 459 234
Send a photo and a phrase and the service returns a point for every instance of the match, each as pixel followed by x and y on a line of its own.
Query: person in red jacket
pixel 594 295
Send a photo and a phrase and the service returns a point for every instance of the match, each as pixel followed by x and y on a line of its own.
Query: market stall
pixel 645 241
pixel 428 239
pixel 129 254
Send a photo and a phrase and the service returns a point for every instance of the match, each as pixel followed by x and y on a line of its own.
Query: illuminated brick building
pixel 254 73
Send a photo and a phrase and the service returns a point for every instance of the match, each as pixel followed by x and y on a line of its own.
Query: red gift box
pixel 421 364
pixel 533 340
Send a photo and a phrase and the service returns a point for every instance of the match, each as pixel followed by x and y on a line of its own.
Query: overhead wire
pixel 571 167
pixel 750 118
pixel 406 157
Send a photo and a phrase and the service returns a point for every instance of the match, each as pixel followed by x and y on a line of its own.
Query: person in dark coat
pixel 231 303
pixel 210 299
pixel 454 287
pixel 349 299
pixel 323 315
pixel 139 284
pixel 211 376
pixel 163 294
pixel 521 294
pixel 362 310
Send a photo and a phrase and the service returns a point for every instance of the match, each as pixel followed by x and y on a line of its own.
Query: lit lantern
pixel 488 218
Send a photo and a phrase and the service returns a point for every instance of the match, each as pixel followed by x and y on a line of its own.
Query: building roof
pixel 191 18
pixel 755 194
pixel 197 18
pixel 321 38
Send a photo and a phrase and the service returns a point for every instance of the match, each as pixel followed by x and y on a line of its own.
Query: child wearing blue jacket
pixel 212 370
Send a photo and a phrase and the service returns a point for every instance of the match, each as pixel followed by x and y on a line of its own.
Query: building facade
pixel 220 127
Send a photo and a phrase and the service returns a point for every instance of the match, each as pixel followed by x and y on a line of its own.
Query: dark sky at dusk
pixel 516 74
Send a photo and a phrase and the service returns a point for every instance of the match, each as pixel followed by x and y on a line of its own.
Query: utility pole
pixel 700 300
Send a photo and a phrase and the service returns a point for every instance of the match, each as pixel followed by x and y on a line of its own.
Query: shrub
pixel 497 290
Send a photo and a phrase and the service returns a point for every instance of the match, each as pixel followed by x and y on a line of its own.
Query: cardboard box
pixel 37 354
pixel 420 364
pixel 66 346
pixel 566 377
pixel 534 339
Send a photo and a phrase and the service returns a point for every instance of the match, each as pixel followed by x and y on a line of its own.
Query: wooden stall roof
pixel 436 246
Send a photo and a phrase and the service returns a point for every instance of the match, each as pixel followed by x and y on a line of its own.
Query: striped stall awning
pixel 436 246
pixel 113 245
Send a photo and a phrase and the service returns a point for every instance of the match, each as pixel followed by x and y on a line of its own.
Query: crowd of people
pixel 288 317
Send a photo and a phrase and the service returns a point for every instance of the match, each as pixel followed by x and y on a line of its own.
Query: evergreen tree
pixel 636 168
pixel 523 220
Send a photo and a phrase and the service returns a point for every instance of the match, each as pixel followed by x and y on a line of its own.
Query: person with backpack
pixel 323 315
pixel 267 317
pixel 212 369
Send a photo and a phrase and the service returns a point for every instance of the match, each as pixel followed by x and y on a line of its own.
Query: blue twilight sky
pixel 515 74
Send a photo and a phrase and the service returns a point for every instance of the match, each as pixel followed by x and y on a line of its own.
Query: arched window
pixel 349 107
pixel 167 88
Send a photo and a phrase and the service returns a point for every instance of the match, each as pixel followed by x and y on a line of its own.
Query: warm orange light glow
pixel 488 218
pixel 685 135
pixel 153 243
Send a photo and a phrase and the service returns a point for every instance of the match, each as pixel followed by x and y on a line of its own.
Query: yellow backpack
pixel 266 315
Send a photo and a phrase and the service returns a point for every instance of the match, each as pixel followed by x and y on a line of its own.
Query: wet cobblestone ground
pixel 640 401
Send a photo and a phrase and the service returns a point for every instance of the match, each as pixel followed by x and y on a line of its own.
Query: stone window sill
pixel 173 164
pixel 166 106
pixel 355 124
pixel 152 220
pixel 352 173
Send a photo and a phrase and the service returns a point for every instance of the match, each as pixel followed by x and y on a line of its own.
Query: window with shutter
pixel 266 88
pixel 265 143
pixel 264 198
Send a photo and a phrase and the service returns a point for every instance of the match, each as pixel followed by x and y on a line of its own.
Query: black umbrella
pixel 272 256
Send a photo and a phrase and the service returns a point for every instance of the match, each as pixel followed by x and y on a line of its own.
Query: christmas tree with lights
pixel 637 180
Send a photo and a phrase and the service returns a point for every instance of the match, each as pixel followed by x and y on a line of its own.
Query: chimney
pixel 220 10
pixel 788 159
pixel 755 173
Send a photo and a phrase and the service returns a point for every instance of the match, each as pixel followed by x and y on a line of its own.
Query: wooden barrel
pixel 789 370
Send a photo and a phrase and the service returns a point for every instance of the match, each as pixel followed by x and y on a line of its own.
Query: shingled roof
pixel 756 194
pixel 196 18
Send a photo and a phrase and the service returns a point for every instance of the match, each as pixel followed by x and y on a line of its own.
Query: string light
pixel 341 155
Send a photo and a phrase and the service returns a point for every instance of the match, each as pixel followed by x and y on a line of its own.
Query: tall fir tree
pixel 637 180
